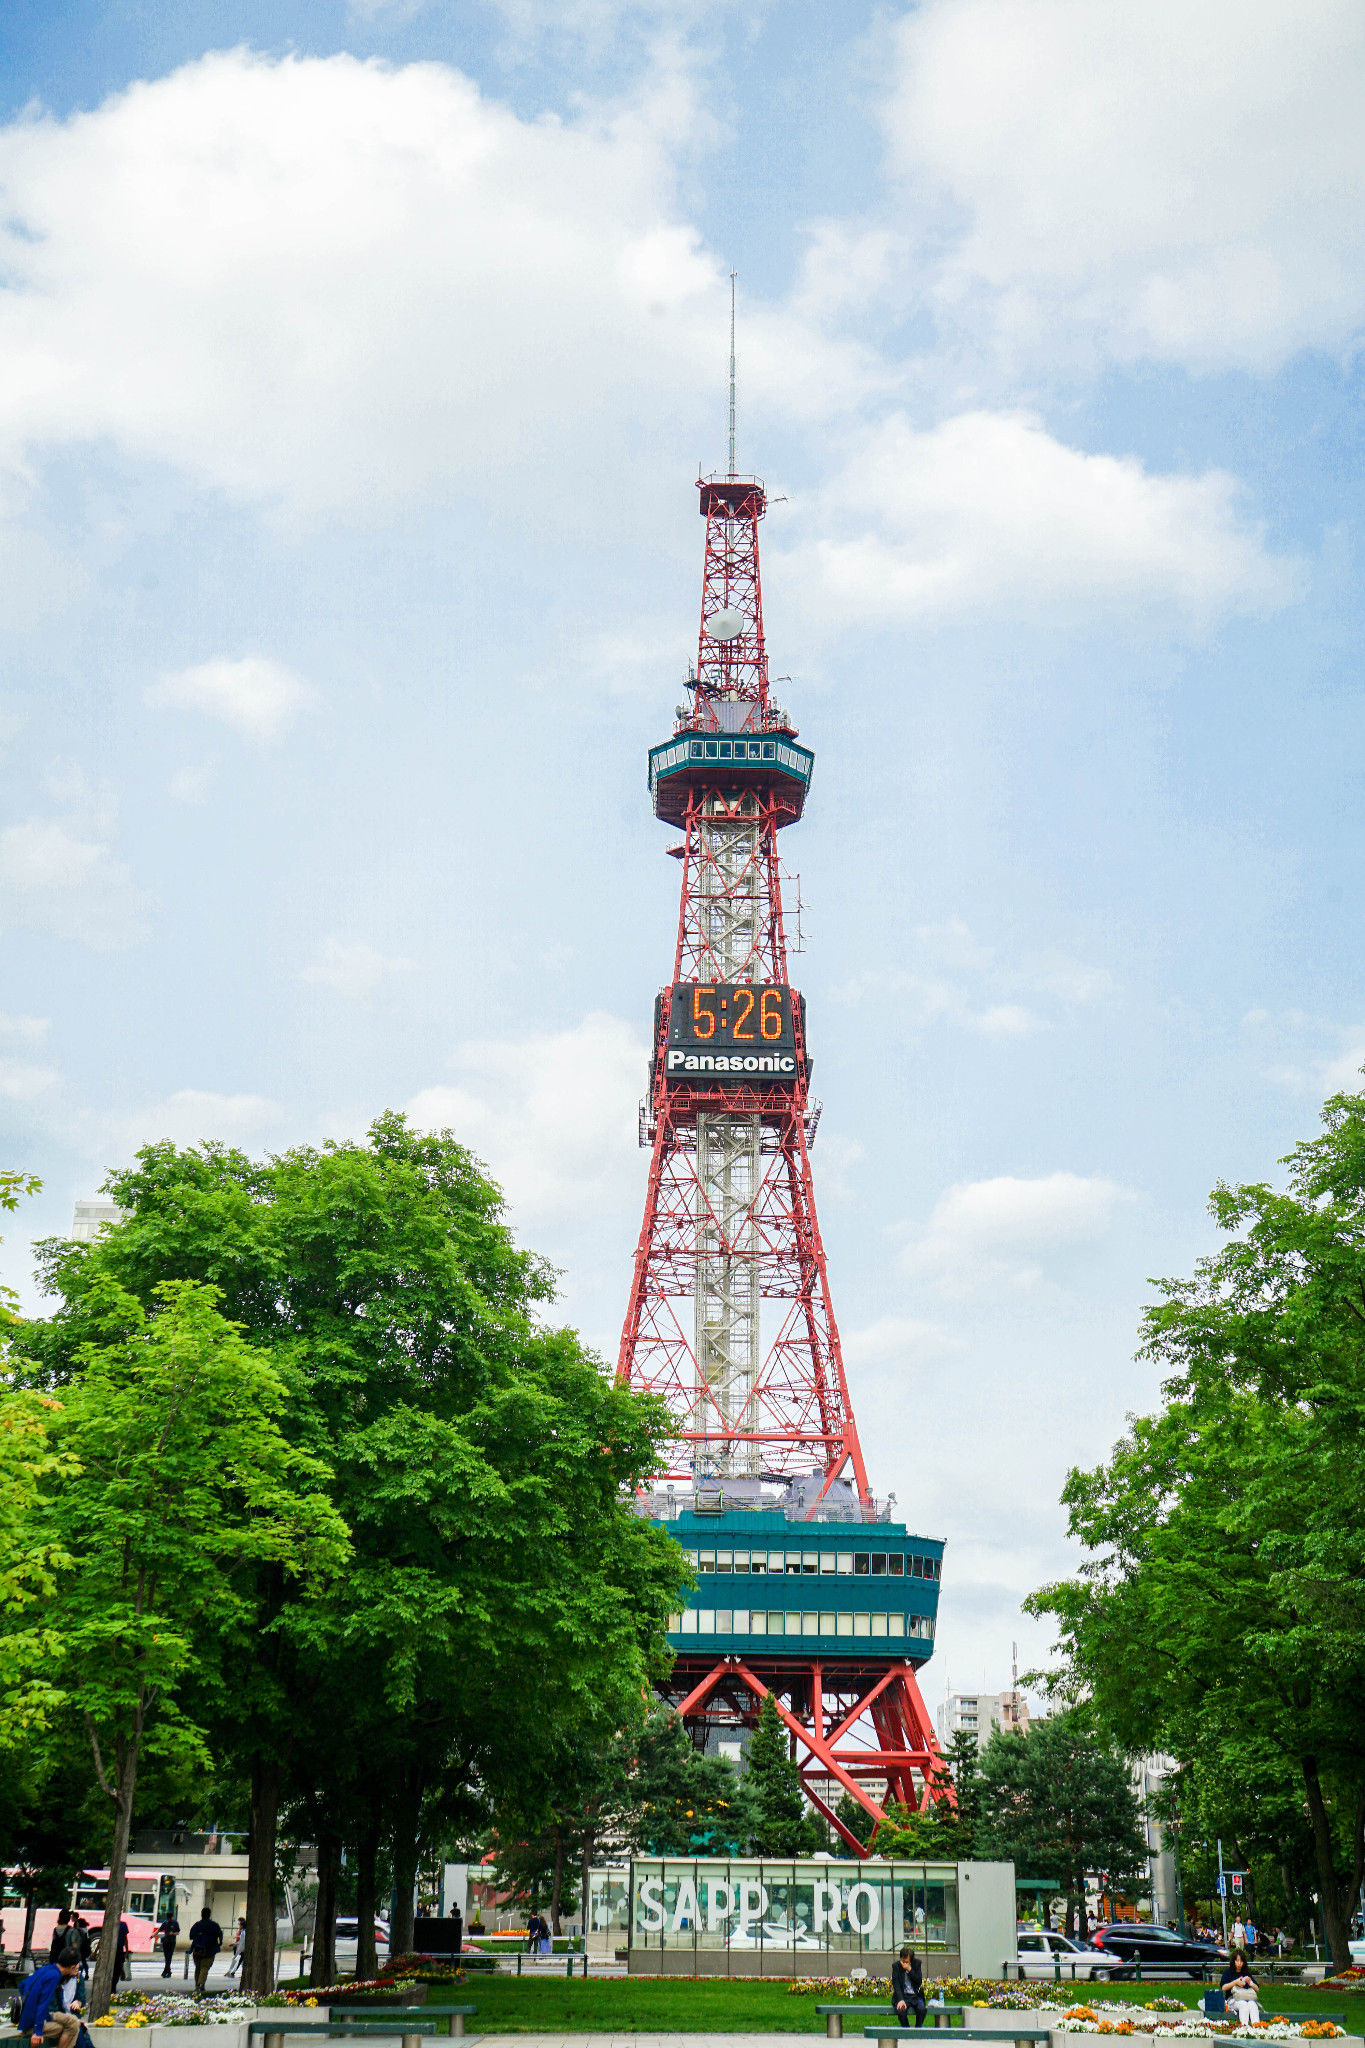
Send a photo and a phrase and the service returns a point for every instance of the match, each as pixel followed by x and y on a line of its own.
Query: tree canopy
pixel 1221 1608
pixel 500 1588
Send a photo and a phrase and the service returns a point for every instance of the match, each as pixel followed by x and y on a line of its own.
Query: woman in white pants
pixel 1239 1989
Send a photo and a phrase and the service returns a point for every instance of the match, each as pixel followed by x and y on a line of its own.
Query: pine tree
pixel 779 1819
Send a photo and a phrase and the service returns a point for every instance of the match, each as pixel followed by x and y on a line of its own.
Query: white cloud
pixel 1006 1227
pixel 21 1081
pixel 353 968
pixel 956 980
pixel 1308 1055
pixel 899 1341
pixel 988 509
pixel 54 881
pixel 552 1115
pixel 190 1116
pixel 1182 180
pixel 257 696
pixel 324 283
pixel 31 1030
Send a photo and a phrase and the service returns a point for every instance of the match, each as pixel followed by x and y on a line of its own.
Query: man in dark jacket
pixel 41 2016
pixel 167 1928
pixel 206 1938
pixel 907 1987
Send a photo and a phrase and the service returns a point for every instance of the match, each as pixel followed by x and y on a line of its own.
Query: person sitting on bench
pixel 1239 1989
pixel 907 1987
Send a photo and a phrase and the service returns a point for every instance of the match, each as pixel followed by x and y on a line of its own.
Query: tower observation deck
pixel 730 1318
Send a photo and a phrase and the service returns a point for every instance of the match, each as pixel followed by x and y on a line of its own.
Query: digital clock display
pixel 732 1030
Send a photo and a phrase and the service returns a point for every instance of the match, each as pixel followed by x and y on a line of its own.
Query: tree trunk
pixel 366 1859
pixel 30 1914
pixel 1329 1887
pixel 405 1856
pixel 323 1969
pixel 558 1890
pixel 102 1983
pixel 258 1953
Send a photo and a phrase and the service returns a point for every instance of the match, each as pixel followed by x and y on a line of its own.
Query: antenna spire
pixel 732 374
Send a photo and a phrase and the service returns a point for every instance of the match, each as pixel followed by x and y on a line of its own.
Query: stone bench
pixel 454 2015
pixel 833 2015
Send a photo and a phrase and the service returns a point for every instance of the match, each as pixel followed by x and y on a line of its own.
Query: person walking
pixel 1251 1936
pixel 167 1928
pixel 907 1987
pixel 1239 1933
pixel 42 2015
pixel 62 1936
pixel 533 1928
pixel 238 1944
pixel 456 1929
pixel 121 1947
pixel 206 1938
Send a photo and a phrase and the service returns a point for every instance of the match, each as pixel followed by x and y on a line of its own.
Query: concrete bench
pixel 834 2015
pixel 999 2035
pixel 272 2032
pixel 453 2015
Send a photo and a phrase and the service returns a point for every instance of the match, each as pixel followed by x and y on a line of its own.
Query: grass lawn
pixel 747 2005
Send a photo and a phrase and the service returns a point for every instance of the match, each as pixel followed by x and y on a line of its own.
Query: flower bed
pixel 1083 2019
pixel 313 1994
pixel 164 2009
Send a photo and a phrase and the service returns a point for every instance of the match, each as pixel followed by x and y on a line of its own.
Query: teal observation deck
pixel 767 1586
pixel 772 764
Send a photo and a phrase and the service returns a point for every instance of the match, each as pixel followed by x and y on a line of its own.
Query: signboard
pixel 796 1908
pixel 724 1033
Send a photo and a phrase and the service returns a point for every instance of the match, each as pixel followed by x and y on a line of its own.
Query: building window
pixel 878 1624
pixel 810 1560
pixel 777 1561
pixel 707 1561
pixel 843 1563
pixel 917 1568
pixel 810 1624
pixel 895 1624
pixel 895 1564
pixel 776 1624
pixel 862 1625
pixel 879 1564
pixel 862 1564
pixel 724 1619
pixel 827 1560
pixel 793 1623
pixel 689 1622
pixel 827 1624
pixel 758 1622
pixel 706 1621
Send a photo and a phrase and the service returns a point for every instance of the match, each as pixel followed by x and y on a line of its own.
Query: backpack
pixel 16 2006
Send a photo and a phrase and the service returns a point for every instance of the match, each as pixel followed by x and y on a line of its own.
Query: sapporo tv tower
pixel 807 1590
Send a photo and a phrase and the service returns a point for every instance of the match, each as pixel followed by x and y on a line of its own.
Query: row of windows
pixel 857 1564
pixel 740 1621
pixel 794 759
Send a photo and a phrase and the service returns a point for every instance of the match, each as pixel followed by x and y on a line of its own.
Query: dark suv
pixel 1159 1951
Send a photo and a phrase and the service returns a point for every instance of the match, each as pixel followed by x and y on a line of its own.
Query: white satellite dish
pixel 725 625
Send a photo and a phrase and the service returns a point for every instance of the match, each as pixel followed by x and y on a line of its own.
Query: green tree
pixel 501 1584
pixel 856 1818
pixel 1223 1599
pixel 779 1819
pixel 180 1485
pixel 1059 1803
pixel 962 1761
pixel 13 1187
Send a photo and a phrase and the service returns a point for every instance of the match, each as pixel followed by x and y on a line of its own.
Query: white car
pixel 1041 1954
pixel 348 1934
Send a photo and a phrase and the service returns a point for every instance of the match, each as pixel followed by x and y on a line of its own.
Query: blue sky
pixel 355 363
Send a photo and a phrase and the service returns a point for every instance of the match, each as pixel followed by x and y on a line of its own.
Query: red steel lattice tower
pixel 730 1317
